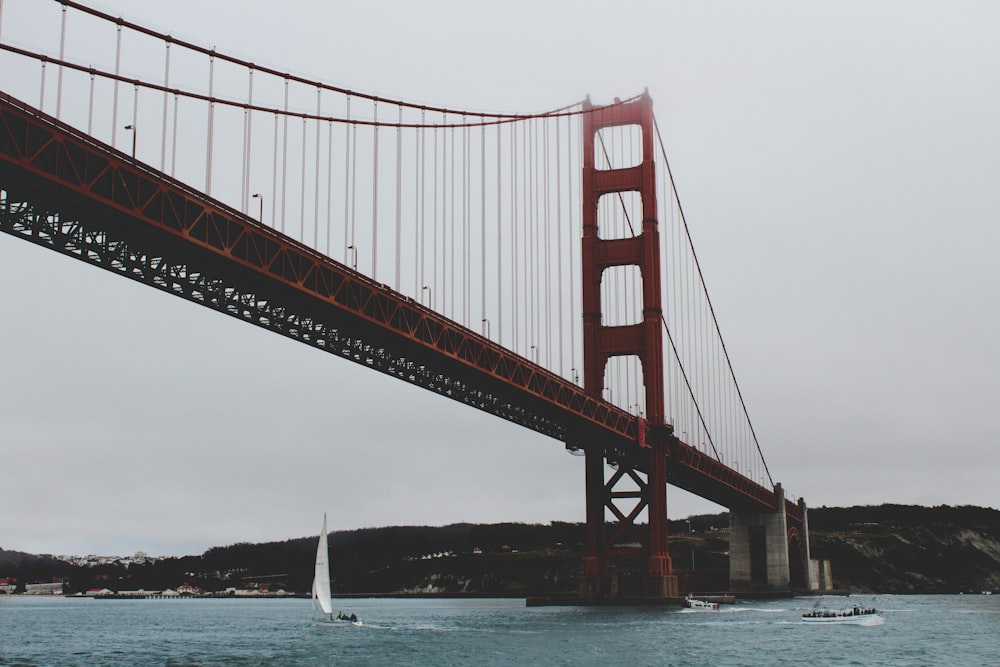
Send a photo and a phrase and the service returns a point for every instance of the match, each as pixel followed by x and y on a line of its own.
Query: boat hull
pixel 863 619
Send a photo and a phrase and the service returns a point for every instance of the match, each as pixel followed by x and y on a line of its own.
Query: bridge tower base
pixel 628 588
pixel 758 550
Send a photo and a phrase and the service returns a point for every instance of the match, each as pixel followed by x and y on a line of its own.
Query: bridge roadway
pixel 70 193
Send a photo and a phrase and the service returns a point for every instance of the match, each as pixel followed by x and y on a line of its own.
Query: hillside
pixel 906 549
pixel 887 548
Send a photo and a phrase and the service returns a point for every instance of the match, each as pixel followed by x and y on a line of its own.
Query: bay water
pixel 918 630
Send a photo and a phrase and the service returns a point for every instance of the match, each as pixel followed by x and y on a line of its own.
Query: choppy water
pixel 918 630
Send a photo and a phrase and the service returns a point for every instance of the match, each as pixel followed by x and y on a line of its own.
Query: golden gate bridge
pixel 536 266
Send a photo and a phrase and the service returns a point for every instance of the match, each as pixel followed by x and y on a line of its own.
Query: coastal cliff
pixel 905 549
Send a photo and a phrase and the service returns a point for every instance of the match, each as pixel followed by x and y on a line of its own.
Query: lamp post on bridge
pixel 487 323
pixel 354 256
pixel 131 128
pixel 430 296
pixel 259 196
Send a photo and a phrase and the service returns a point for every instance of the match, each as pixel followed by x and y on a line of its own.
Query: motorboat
pixel 701 605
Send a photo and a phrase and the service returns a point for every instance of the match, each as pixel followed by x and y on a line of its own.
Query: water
pixel 918 630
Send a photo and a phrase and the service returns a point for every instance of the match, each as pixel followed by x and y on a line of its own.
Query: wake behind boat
pixel 321 582
pixel 856 615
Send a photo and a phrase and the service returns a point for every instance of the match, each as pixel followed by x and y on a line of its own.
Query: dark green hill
pixel 885 548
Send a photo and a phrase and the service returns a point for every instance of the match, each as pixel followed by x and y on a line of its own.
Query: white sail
pixel 321 582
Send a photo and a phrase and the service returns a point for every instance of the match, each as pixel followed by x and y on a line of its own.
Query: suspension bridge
pixel 535 266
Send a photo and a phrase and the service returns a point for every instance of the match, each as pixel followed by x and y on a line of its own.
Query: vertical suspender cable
pixel 536 250
pixel 166 97
pixel 118 63
pixel 348 224
pixel 319 113
pixel 531 233
pixel 466 177
pixel 90 114
pixel 302 184
pixel 249 139
pixel 434 223
pixel 62 57
pixel 284 163
pixel 422 204
pixel 572 250
pixel 547 227
pixel 448 244
pixel 375 192
pixel 680 322
pixel 527 244
pixel 211 122
pixel 135 116
pixel 638 292
pixel 244 184
pixel 482 221
pixel 467 282
pixel 700 346
pixel 530 240
pixel 399 198
pixel 662 202
pixel 354 191
pixel 173 136
pixel 274 175
pixel 329 186
pixel 559 245
pixel 499 235
pixel 515 269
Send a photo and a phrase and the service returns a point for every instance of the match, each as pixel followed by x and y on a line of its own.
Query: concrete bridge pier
pixel 758 549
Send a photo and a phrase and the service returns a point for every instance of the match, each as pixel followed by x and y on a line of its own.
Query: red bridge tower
pixel 625 560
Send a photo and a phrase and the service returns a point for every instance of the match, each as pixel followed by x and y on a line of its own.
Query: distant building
pixel 187 589
pixel 45 589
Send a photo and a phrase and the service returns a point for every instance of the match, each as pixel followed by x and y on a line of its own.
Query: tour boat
pixel 856 615
pixel 321 582
pixel 701 605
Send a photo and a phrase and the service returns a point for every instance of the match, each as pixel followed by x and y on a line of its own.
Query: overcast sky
pixel 838 165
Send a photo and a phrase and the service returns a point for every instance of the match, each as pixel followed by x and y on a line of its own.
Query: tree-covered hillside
pixel 886 548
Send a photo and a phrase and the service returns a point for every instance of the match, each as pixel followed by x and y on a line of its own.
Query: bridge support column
pixel 626 561
pixel 758 549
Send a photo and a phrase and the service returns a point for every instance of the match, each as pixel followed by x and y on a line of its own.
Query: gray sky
pixel 837 163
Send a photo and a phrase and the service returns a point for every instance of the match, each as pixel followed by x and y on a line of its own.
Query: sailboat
pixel 321 580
